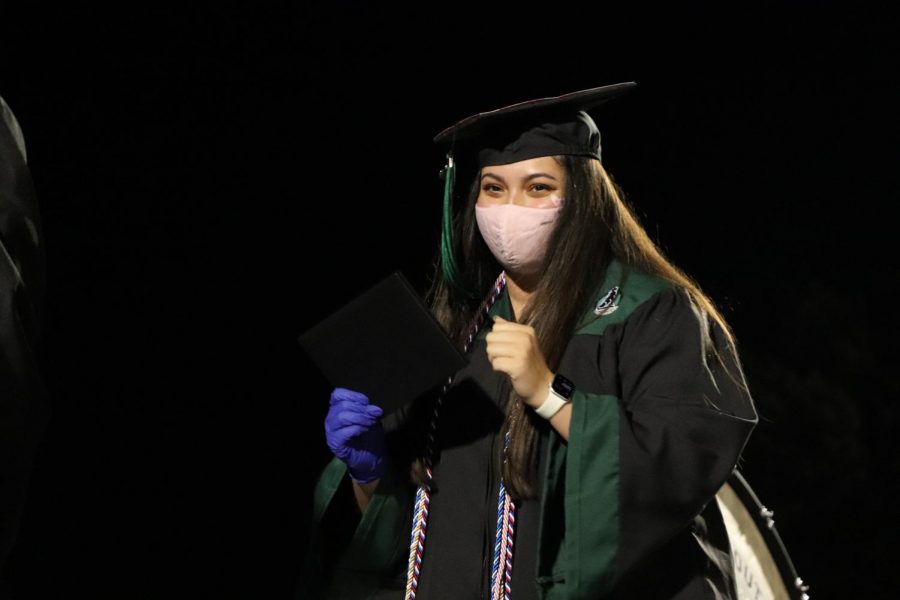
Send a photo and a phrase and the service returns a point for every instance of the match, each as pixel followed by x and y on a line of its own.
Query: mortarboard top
pixel 556 125
pixel 540 127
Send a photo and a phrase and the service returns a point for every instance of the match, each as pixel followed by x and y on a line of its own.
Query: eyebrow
pixel 526 178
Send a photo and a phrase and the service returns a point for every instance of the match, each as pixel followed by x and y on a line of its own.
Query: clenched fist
pixel 512 348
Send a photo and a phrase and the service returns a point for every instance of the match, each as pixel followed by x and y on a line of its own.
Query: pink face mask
pixel 517 235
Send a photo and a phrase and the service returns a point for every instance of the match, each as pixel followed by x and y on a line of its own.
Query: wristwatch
pixel 559 393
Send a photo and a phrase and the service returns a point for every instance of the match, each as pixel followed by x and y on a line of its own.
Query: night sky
pixel 216 177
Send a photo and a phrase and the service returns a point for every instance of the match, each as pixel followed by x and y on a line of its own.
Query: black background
pixel 215 177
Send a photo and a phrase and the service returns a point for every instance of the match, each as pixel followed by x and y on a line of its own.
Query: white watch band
pixel 551 405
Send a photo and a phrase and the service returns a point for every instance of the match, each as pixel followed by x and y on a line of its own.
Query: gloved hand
pixel 354 433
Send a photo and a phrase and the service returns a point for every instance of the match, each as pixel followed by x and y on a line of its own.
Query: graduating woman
pixel 579 452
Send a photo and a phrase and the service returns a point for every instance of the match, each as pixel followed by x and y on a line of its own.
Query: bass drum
pixel 762 568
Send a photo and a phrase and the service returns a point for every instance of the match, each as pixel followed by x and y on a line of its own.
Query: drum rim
pixel 766 526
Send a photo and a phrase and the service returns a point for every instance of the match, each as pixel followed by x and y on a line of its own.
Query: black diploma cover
pixel 384 343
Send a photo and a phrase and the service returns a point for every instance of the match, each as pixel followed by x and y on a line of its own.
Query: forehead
pixel 542 164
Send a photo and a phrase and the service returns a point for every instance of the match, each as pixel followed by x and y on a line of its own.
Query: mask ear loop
pixel 449 267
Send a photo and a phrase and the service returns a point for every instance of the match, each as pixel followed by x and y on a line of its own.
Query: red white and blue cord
pixel 503 545
pixel 506 509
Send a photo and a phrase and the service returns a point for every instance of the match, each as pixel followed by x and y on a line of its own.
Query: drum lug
pixel 767 515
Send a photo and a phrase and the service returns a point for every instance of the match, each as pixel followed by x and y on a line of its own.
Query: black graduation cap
pixel 557 125
pixel 540 127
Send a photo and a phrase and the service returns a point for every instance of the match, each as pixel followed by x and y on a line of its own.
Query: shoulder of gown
pixel 653 444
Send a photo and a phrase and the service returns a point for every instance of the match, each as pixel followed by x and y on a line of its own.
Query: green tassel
pixel 448 260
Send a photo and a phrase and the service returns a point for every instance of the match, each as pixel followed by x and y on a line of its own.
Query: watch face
pixel 563 386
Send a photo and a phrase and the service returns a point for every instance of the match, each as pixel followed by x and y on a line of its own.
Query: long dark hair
pixel 595 225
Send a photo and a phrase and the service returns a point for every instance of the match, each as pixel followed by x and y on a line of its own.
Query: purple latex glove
pixel 354 433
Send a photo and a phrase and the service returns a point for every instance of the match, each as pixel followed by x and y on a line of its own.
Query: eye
pixel 488 187
pixel 541 185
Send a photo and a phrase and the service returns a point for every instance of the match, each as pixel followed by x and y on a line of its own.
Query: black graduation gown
pixel 627 506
